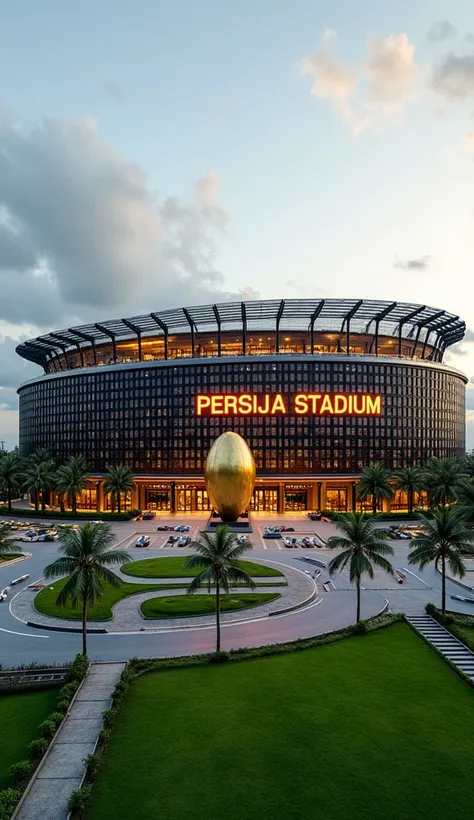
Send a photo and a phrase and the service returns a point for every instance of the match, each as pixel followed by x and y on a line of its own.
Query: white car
pixel 242 539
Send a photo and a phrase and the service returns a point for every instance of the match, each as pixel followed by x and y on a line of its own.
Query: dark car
pixel 172 539
pixel 184 541
pixel 148 515
pixel 314 516
pixel 182 528
pixel 164 528
pixel 142 541
pixel 272 534
pixel 287 529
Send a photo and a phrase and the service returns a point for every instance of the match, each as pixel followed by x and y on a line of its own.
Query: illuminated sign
pixel 279 404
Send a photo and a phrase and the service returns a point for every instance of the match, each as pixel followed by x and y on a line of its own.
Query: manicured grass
pixel 463 628
pixel 20 716
pixel 10 557
pixel 370 727
pixel 174 568
pixel 45 601
pixel 182 606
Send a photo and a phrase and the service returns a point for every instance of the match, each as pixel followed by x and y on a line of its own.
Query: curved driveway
pixel 331 610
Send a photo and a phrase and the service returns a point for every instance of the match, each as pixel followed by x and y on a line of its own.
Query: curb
pixel 53 740
pixel 64 628
pixel 292 608
pixel 16 560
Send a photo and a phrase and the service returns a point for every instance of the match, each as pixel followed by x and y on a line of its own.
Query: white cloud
pixel 329 35
pixel 368 94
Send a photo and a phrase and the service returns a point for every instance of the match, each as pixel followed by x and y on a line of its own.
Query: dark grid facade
pixel 143 415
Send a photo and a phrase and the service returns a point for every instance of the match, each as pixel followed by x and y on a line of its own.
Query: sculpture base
pixel 240 526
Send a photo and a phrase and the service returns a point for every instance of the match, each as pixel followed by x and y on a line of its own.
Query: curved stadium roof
pixel 398 319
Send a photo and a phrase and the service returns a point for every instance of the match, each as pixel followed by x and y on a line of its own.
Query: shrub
pixel 37 748
pixel 93 763
pixel 80 798
pixel 78 669
pixel 8 800
pixel 20 772
pixel 109 717
pixel 67 691
pixel 430 609
pixel 360 628
pixel 62 706
pixel 56 718
pixel 47 729
pixel 219 657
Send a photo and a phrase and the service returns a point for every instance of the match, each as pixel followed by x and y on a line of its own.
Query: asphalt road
pixel 332 610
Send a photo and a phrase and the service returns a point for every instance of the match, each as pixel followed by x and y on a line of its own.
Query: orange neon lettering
pixel 326 406
pixel 265 407
pixel 245 404
pixel 314 397
pixel 230 403
pixel 374 405
pixel 217 403
pixel 350 408
pixel 301 404
pixel 202 402
pixel 278 404
pixel 359 407
pixel 340 404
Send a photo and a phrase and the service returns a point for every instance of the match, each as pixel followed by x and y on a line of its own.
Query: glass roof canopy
pixel 400 320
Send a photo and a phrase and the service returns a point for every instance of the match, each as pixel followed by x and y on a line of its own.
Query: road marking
pixel 25 634
pixel 417 577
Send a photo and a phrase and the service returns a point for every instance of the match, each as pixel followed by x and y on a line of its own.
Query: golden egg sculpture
pixel 230 475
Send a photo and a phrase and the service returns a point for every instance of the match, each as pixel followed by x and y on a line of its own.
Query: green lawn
pixel 371 727
pixel 20 716
pixel 182 606
pixel 174 568
pixel 45 601
pixel 10 557
pixel 463 628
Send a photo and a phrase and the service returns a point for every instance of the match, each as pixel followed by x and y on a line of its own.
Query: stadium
pixel 319 388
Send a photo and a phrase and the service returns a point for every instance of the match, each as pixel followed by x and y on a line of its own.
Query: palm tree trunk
pixel 36 501
pixel 74 504
pixel 410 501
pixel 84 627
pixel 61 502
pixel 118 504
pixel 358 600
pixel 374 504
pixel 9 491
pixel 43 501
pixel 443 585
pixel 218 618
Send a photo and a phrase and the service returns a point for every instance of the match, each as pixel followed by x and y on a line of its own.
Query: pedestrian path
pixel 449 646
pixel 62 769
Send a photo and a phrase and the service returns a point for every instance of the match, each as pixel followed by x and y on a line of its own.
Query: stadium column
pixel 281 497
pixel 323 495
pixel 135 501
pixel 173 496
pixel 100 496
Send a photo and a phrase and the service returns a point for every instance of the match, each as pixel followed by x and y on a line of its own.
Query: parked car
pixel 182 528
pixel 287 529
pixel 142 541
pixel 164 528
pixel 242 539
pixel 272 534
pixel 290 543
pixel 184 541
pixel 314 516
pixel 272 529
pixel 148 515
pixel 172 539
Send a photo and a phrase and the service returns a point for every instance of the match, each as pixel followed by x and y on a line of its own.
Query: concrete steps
pixel 449 646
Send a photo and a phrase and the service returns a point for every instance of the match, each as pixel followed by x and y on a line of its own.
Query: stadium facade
pixel 319 388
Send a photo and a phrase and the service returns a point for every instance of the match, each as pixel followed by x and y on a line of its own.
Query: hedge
pixel 22 771
pixel 85 515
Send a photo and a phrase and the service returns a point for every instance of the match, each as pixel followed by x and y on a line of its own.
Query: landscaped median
pixel 327 719
pixel 175 568
pixel 45 601
pixel 184 606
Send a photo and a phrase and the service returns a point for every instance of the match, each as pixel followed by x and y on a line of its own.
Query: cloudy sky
pixel 161 153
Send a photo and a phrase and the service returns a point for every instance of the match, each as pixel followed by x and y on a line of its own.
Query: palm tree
pixel 86 555
pixel 71 478
pixel 441 477
pixel 375 484
pixel 119 481
pixel 465 498
pixel 363 546
pixel 217 555
pixel 6 545
pixel 39 478
pixel 10 476
pixel 408 480
pixel 444 540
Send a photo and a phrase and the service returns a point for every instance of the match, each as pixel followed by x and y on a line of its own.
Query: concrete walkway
pixel 62 769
